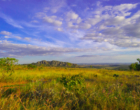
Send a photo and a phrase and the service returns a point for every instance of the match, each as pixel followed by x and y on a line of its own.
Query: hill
pixel 55 63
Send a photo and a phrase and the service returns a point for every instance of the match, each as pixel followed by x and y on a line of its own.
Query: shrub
pixel 30 66
pixel 115 75
pixel 75 82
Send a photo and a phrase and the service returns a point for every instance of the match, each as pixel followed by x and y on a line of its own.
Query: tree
pixel 138 60
pixel 133 66
pixel 7 65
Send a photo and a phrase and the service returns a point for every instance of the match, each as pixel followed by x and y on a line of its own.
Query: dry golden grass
pixel 41 91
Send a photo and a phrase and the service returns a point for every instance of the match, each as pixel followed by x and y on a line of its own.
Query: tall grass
pixel 57 88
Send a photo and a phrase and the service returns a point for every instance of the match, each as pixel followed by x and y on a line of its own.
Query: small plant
pixel 95 75
pixel 115 75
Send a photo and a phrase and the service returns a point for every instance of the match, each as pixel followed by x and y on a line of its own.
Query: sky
pixel 76 31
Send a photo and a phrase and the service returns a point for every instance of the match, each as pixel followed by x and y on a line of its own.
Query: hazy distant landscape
pixel 107 66
pixel 113 66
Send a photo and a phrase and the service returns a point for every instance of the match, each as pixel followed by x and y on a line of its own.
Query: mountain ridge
pixel 54 63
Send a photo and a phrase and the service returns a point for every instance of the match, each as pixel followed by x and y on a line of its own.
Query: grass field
pixel 92 89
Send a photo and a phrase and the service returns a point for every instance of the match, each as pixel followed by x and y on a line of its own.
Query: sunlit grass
pixel 38 89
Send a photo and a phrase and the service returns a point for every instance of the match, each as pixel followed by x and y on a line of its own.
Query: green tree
pixel 138 66
pixel 138 60
pixel 133 66
pixel 7 65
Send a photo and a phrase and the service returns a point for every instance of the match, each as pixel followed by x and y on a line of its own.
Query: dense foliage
pixel 135 66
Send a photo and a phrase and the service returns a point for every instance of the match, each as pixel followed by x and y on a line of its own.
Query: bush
pixel 30 66
pixel 75 82
pixel 115 75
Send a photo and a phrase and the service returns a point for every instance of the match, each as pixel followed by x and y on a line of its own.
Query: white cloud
pixel 18 50
pixel 115 20
pixel 5 33
pixel 34 21
pixel 17 37
pixel 10 21
pixel 59 29
pixel 52 20
pixel 47 19
pixel 57 5
pixel 125 7
pixel 72 15
pixel 78 20
pixel 27 38
pixel 53 10
pixel 71 25
pixel 57 23
pixel 93 21
pixel 111 25
pixel 6 37
pixel 40 15
pixel 84 26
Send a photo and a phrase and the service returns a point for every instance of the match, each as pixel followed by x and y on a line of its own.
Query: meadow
pixel 61 88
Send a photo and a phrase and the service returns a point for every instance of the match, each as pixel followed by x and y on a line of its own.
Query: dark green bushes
pixel 115 75
pixel 74 83
pixel 30 66
pixel 135 66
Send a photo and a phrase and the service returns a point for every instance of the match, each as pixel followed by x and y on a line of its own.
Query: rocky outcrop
pixel 55 63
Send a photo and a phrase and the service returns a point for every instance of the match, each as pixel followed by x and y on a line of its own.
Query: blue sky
pixel 77 31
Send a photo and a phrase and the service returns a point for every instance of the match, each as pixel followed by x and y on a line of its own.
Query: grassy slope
pixel 38 89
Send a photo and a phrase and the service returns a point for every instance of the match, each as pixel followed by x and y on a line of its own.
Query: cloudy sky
pixel 77 31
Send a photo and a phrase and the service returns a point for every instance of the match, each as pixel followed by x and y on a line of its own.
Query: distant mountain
pixel 55 63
